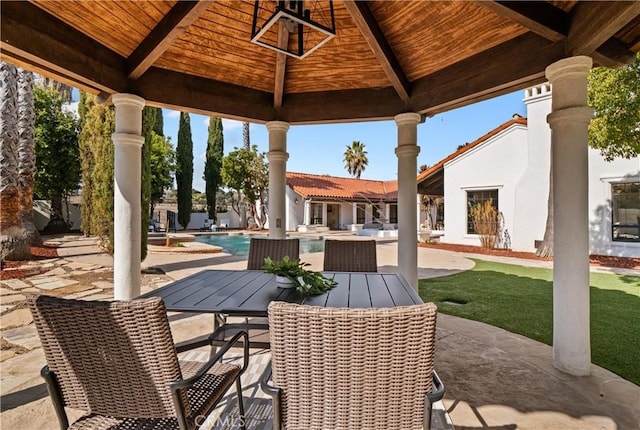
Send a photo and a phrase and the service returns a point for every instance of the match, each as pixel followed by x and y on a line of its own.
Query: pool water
pixel 239 244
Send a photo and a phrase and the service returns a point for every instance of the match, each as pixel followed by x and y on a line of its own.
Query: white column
pixel 324 214
pixel 569 119
pixel 127 142
pixel 307 212
pixel 407 152
pixel 277 157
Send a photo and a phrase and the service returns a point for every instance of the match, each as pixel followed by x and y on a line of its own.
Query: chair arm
pixel 436 393
pixel 56 396
pixel 187 383
pixel 194 343
pixel 274 392
pixel 437 389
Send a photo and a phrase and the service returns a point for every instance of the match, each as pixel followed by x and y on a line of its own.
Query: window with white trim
pixel 625 211
pixel 476 197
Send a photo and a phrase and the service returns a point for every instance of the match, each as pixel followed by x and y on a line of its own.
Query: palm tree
pixel 27 152
pixel 13 239
pixel 355 159
pixel 246 141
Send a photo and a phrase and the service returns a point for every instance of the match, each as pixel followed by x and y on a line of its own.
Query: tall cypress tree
pixel 213 164
pixel 158 126
pixel 148 124
pixel 184 169
pixel 97 161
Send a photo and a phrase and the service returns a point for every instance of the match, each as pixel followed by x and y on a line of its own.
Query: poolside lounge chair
pixel 337 368
pixel 350 256
pixel 117 362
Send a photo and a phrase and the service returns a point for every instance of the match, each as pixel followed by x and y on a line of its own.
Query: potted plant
pixel 293 271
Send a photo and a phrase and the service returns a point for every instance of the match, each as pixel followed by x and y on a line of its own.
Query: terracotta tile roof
pixel 325 187
pixel 440 164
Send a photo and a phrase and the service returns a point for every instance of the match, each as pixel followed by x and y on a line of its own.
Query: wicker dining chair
pixel 117 362
pixel 259 249
pixel 276 249
pixel 342 368
pixel 350 256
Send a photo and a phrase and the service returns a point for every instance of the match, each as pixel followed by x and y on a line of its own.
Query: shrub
pixel 488 223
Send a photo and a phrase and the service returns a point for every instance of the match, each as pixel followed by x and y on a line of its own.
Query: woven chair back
pixel 276 249
pixel 352 368
pixel 109 358
pixel 350 256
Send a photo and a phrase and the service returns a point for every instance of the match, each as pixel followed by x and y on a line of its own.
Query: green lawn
pixel 519 299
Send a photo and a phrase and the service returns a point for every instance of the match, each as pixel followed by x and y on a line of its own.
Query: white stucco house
pixel 510 165
pixel 323 202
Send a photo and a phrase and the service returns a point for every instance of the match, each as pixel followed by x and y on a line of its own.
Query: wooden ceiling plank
pixel 593 23
pixel 542 18
pixel 174 24
pixel 376 40
pixel 281 65
pixel 39 39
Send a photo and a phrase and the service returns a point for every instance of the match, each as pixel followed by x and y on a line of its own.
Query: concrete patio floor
pixel 494 379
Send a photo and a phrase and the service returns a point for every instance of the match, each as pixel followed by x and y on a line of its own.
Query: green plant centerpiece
pixel 307 282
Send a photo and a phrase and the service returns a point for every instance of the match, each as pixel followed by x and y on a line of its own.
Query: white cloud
pixel 172 113
pixel 230 124
pixel 205 121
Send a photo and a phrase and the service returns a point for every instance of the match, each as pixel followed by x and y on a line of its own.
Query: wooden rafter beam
pixel 454 87
pixel 174 23
pixel 205 96
pixel 36 38
pixel 555 25
pixel 593 23
pixel 281 65
pixel 368 26
pixel 543 19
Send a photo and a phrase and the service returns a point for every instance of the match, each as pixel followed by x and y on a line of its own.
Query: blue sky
pixel 320 149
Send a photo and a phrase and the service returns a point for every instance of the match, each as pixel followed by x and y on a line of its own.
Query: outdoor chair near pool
pixel 350 256
pixel 259 249
pixel 117 362
pixel 276 249
pixel 339 368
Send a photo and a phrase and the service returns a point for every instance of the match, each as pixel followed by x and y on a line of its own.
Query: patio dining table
pixel 247 293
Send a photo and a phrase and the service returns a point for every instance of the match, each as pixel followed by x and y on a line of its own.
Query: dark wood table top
pixel 249 292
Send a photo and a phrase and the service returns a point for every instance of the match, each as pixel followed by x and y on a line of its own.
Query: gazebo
pixel 290 63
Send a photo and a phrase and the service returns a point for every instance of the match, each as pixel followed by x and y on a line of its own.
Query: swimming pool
pixel 238 244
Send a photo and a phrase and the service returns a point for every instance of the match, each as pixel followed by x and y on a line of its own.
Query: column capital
pixel 408 118
pixel 407 150
pixel 277 126
pixel 124 99
pixel 581 114
pixel 127 139
pixel 277 156
pixel 572 66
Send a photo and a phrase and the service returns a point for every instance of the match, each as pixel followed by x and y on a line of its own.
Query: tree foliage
pixel 97 154
pixel 213 164
pixel 355 159
pixel 614 94
pixel 184 169
pixel 148 124
pixel 57 152
pixel 27 153
pixel 246 173
pixel 163 159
